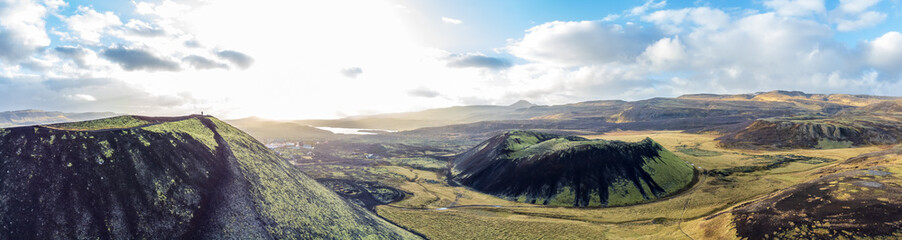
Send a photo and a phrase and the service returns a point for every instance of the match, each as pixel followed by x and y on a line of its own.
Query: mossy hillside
pixel 670 172
pixel 167 182
pixel 102 124
pixel 75 184
pixel 191 127
pixel 287 204
pixel 571 171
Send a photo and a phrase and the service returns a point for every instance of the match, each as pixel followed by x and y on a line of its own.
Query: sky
pixel 337 58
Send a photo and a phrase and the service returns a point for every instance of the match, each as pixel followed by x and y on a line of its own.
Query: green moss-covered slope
pixel 571 171
pixel 192 177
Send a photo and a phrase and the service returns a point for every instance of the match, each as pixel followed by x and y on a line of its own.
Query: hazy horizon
pixel 322 60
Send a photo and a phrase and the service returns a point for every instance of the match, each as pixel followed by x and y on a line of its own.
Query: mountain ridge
pixel 189 177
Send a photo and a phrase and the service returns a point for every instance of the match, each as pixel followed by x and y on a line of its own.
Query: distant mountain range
pixel 707 106
pixel 775 119
pixel 34 117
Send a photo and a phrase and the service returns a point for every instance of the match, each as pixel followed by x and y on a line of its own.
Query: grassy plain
pixel 440 211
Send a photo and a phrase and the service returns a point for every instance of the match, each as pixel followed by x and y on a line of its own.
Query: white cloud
pixel 580 43
pixel 610 17
pixel 82 97
pixel 21 29
pixel 674 21
pixel 796 8
pixel 791 45
pixel 729 54
pixel 864 20
pixel 88 26
pixel 664 53
pixel 885 52
pixel 55 4
pixel 853 15
pixel 650 4
pixel 351 72
pixel 451 20
pixel 856 6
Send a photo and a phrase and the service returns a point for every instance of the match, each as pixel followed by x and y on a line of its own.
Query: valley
pixel 438 210
pixel 651 169
pixel 728 177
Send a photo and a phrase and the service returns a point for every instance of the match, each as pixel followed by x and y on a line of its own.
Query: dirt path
pixel 689 200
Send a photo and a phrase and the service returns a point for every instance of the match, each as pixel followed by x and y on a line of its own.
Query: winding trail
pixel 688 200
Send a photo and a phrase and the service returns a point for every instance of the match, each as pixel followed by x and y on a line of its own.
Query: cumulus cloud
pixel 673 21
pixel 192 44
pixel 451 20
pixel 77 54
pixel 856 6
pixel 198 62
pixel 582 42
pixel 239 59
pixel 477 60
pixel 351 72
pixel 138 59
pixel 89 25
pixel 143 29
pixel 650 4
pixel 423 92
pixel 666 53
pixel 853 15
pixel 796 7
pixel 22 30
pixel 885 52
pixel 864 20
pixel 87 94
pixel 701 50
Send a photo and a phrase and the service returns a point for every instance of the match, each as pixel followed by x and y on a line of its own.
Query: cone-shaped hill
pixel 571 171
pixel 191 177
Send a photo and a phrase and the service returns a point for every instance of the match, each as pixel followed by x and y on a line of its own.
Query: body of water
pixel 358 131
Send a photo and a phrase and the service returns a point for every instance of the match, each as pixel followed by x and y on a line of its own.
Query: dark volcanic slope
pixel 179 178
pixel 570 171
pixel 859 204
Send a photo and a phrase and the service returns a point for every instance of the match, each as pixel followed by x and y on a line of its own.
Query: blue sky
pixel 325 59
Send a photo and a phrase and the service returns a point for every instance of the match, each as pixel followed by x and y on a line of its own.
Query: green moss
pixel 143 140
pixel 831 144
pixel 529 145
pixel 422 163
pixel 669 171
pixel 105 148
pixel 624 192
pixel 102 124
pixel 190 127
pixel 280 189
pixel 564 198
pixel 697 152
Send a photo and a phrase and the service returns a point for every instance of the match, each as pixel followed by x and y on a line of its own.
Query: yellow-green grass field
pixel 440 211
